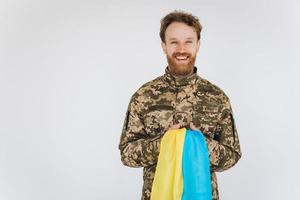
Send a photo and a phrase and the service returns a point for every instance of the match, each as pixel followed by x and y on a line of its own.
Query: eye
pixel 189 42
pixel 173 42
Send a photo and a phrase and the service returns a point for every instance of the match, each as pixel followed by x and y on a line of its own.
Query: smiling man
pixel 180 44
pixel 179 98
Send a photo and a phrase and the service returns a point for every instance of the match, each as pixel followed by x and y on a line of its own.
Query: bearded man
pixel 179 98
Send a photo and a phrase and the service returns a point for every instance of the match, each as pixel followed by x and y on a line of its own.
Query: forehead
pixel 179 30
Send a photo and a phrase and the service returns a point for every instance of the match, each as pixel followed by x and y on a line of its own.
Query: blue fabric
pixel 196 168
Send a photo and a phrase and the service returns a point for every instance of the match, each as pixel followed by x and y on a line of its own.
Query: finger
pixel 193 127
pixel 176 126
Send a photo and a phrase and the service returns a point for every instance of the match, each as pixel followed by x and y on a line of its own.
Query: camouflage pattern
pixel 167 100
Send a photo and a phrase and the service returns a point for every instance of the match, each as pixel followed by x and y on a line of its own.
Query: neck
pixel 180 76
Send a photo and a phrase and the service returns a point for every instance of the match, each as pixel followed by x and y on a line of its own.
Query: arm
pixel 136 148
pixel 224 151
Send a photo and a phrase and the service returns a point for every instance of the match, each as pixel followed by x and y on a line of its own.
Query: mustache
pixel 181 54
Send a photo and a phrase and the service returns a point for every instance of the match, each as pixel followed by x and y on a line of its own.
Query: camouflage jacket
pixel 167 100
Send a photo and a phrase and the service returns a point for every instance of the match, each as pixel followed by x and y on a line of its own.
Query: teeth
pixel 181 57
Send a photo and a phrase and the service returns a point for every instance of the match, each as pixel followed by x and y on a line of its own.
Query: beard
pixel 181 69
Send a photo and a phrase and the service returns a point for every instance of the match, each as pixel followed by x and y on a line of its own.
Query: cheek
pixel 170 49
pixel 195 49
pixel 191 51
pixel 170 52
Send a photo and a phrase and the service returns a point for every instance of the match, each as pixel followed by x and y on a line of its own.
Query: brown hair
pixel 179 16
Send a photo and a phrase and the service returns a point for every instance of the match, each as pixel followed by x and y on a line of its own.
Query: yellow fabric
pixel 168 180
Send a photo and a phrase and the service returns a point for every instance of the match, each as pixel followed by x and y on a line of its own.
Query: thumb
pixel 193 127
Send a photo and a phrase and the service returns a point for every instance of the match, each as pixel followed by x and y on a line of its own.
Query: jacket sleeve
pixel 224 150
pixel 136 147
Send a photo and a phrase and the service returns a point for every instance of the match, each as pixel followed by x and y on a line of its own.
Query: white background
pixel 69 68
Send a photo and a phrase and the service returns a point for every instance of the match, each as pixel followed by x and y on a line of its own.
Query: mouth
pixel 181 58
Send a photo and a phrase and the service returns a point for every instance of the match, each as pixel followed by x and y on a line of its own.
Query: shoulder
pixel 149 89
pixel 205 87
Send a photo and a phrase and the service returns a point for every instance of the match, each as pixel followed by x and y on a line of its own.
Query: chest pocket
pixel 157 119
pixel 206 116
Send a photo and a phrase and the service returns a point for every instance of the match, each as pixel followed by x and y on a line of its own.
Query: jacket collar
pixel 178 82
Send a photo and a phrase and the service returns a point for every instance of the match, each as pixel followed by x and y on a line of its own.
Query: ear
pixel 163 46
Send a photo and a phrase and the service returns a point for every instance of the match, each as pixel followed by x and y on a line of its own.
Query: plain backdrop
pixel 69 68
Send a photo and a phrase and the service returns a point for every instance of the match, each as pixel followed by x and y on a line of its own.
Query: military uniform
pixel 167 100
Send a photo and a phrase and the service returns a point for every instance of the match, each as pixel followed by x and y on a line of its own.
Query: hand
pixel 193 127
pixel 174 127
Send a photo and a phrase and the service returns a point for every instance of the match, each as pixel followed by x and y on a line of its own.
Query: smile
pixel 181 58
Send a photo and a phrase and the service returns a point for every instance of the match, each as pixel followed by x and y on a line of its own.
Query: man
pixel 179 98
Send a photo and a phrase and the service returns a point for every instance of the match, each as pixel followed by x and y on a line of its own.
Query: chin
pixel 181 69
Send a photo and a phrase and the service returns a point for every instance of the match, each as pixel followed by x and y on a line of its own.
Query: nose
pixel 181 48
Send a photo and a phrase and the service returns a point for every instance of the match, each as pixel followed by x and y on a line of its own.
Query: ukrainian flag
pixel 182 171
